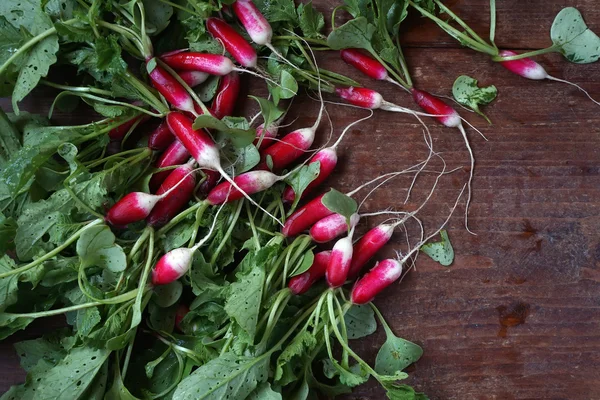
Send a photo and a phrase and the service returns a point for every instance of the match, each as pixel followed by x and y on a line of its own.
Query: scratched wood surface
pixel 517 316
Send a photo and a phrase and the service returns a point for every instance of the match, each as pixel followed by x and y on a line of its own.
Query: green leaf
pixel 339 203
pixel 300 179
pixel 264 392
pixel 278 10
pixel 269 110
pixel 87 319
pixel 576 41
pixel 441 251
pixel 360 321
pixel 226 377
pixel 9 286
pixel 243 304
pixel 239 137
pixel 34 63
pixel 356 33
pixel 356 376
pixel 310 20
pixel 397 11
pixel 9 138
pixel 245 158
pixel 108 51
pixel 167 295
pixel 395 391
pixel 51 348
pixel 307 262
pixel 303 343
pixel 288 87
pixel 158 15
pixel 396 354
pixel 96 246
pixel 467 93
pixel 8 230
pixel 70 378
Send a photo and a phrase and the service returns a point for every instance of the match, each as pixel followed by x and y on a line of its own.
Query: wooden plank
pixel 516 316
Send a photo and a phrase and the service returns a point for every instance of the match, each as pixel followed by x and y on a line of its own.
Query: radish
pixel 293 145
pixel 341 258
pixel 328 160
pixel 264 137
pixel 328 228
pixel 210 181
pixel 201 146
pixel 365 64
pixel 447 116
pixel 254 22
pixel 382 275
pixel 213 64
pixel 169 87
pixel 136 206
pixel 168 207
pixel 176 263
pixel 175 154
pixel 368 245
pixel 120 131
pixel 233 42
pixel 161 137
pixel 300 284
pixel 193 78
pixel 227 94
pixel 528 68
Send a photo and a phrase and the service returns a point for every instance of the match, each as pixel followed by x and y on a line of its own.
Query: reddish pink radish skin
pixel 329 228
pixel 433 105
pixel 254 22
pixel 304 217
pixel 361 97
pixel 250 182
pixel 300 284
pixel 328 160
pixel 525 67
pixel 169 87
pixel 381 276
pixel 161 137
pixel 211 180
pixel 267 135
pixel 339 262
pixel 175 154
pixel 197 143
pixel 180 314
pixel 120 131
pixel 193 78
pixel 233 42
pixel 291 147
pixel 133 207
pixel 169 206
pixel 172 266
pixel 364 63
pixel 367 246
pixel 227 95
pixel 214 64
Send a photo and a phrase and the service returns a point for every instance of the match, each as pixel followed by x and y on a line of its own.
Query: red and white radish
pixel 226 97
pixel 254 22
pixel 168 207
pixel 169 87
pixel 233 42
pixel 175 154
pixel 340 260
pixel 327 159
pixel 264 137
pixel 161 137
pixel 382 275
pixel 213 64
pixel 210 181
pixel 193 78
pixel 528 68
pixel 300 284
pixel 328 228
pixel 368 245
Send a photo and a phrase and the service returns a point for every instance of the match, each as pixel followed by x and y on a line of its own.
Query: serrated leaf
pixel 356 33
pixel 441 251
pixel 467 93
pixel 310 20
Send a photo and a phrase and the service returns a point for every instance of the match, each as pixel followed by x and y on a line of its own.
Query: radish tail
pixel 338 141
pixel 464 135
pixel 574 84
pixel 475 129
pixel 210 231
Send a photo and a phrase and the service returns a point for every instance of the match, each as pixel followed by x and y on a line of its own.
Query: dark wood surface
pixel 517 316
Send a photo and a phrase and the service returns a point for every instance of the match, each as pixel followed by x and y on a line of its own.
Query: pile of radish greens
pixel 197 253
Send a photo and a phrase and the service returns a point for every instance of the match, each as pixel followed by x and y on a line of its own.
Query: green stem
pixel 493 22
pixel 185 85
pixel 455 33
pixel 341 314
pixel 80 202
pixel 142 283
pixel 401 81
pixel 30 43
pixel 52 253
pixel 234 219
pixel 146 93
pixel 252 227
pixel 78 89
pixel 178 218
pixel 180 7
pixel 460 22
pixel 199 214
pixel 95 163
pixel 382 320
pixel 276 310
pixel 403 64
pixel 534 53
pixel 118 103
pixel 309 40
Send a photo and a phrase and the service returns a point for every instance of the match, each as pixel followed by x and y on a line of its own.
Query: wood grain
pixel 517 315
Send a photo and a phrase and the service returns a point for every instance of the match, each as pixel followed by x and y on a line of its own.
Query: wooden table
pixel 518 314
